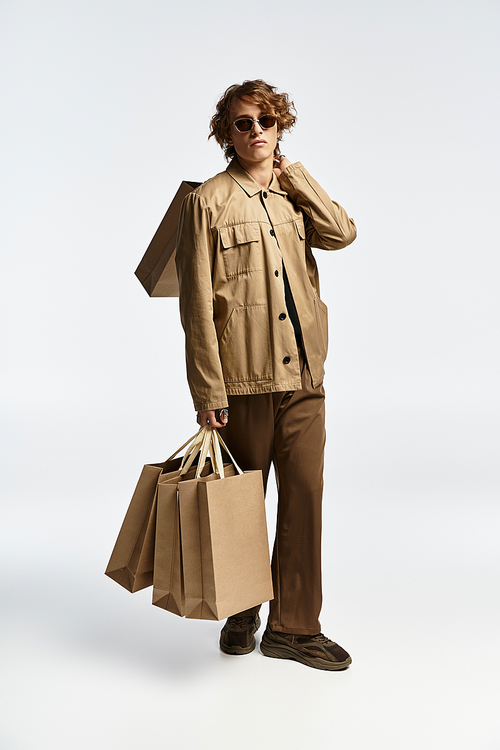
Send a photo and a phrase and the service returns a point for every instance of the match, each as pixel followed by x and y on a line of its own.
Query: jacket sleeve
pixel 194 261
pixel 328 226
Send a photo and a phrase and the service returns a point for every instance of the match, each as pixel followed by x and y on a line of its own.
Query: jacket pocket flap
pixel 238 235
pixel 299 223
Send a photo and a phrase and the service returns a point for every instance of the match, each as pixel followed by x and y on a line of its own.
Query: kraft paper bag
pixel 212 551
pixel 132 559
pixel 168 584
pixel 156 271
pixel 131 562
pixel 168 578
pixel 225 550
pixel 170 570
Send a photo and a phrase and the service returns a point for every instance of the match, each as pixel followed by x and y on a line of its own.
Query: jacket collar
pixel 245 181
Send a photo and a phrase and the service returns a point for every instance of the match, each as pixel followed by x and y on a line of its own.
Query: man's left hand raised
pixel 279 164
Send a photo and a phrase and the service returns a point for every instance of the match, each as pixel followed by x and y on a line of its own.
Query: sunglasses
pixel 245 124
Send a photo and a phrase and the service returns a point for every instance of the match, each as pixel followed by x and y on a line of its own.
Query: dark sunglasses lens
pixel 243 125
pixel 267 121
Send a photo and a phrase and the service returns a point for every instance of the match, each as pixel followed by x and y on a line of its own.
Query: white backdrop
pixel 105 109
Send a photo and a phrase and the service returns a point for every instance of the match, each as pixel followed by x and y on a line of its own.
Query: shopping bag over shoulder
pixel 156 271
pixel 131 562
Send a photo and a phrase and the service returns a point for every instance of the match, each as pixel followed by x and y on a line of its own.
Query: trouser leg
pixel 287 428
pixel 299 437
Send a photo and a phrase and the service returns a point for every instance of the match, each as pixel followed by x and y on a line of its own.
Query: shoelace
pixel 320 638
pixel 240 622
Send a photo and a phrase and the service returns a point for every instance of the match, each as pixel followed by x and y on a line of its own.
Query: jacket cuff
pixel 212 405
pixel 295 167
pixel 292 167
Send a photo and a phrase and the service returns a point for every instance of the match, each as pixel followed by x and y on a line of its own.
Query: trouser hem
pixel 294 631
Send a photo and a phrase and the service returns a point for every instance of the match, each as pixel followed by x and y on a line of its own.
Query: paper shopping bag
pixel 225 549
pixel 216 559
pixel 156 271
pixel 170 570
pixel 168 577
pixel 131 562
pixel 168 584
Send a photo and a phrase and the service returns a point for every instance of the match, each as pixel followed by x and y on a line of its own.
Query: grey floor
pixel 411 590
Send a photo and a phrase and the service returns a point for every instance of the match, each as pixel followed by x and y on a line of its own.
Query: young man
pixel 256 342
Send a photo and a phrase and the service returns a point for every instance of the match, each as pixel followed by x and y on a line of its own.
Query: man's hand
pixel 280 164
pixel 208 417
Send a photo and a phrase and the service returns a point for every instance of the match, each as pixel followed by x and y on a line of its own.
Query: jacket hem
pixel 246 389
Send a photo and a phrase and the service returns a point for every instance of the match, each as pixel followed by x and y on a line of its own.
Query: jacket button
pixel 271 232
pixel 286 360
pixel 264 195
pixel 282 316
pixel 276 273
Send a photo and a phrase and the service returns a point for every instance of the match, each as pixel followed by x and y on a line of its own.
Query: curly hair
pixel 260 93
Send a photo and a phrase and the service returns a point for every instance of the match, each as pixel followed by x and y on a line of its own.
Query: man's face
pixel 258 144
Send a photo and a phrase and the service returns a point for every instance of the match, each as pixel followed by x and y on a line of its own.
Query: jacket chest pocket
pixel 299 226
pixel 241 249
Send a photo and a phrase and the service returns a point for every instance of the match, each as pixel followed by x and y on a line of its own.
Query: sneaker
pixel 316 651
pixel 236 636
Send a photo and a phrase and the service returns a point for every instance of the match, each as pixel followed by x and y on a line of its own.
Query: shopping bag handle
pixel 211 446
pixel 193 451
pixel 201 444
pixel 183 446
pixel 219 441
pixel 206 442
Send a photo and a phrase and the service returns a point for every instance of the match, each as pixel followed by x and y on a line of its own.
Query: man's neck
pixel 262 172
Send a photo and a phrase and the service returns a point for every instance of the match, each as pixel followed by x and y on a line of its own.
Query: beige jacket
pixel 232 239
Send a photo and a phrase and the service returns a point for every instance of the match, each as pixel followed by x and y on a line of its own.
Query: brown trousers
pixel 287 428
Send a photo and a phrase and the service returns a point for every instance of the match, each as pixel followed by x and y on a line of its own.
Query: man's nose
pixel 256 129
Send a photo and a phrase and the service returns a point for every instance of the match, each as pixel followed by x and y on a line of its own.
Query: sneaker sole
pixel 237 650
pixel 278 651
pixel 240 650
